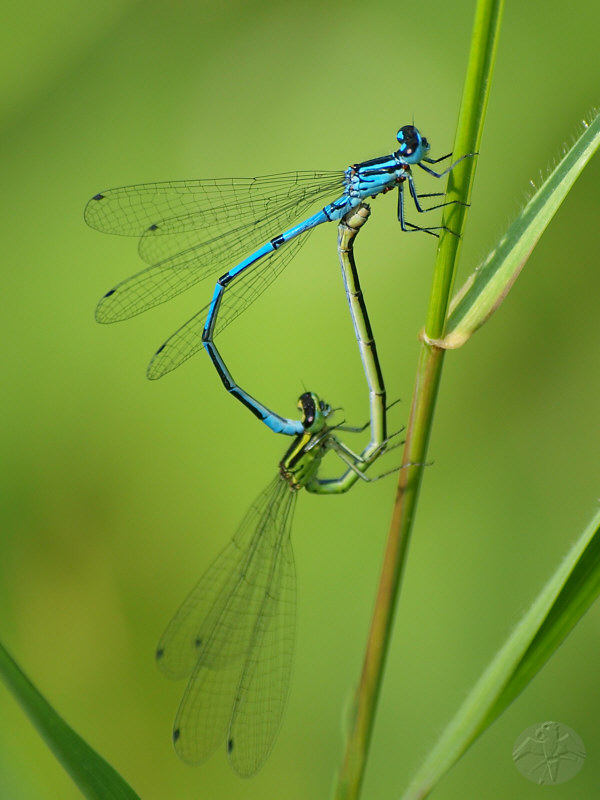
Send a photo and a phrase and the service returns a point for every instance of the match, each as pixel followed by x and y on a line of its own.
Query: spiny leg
pixel 416 197
pixel 443 158
pixel 356 471
pixel 361 428
pixel 410 227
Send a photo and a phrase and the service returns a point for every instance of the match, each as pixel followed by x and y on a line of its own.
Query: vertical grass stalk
pixel 431 357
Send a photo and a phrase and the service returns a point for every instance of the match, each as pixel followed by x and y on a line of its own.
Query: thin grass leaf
pixel 558 608
pixel 487 287
pixel 93 775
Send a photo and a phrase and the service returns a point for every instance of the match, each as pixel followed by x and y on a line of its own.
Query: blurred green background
pixel 117 492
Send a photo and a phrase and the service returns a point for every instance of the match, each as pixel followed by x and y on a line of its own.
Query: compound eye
pixel 325 408
pixel 409 138
pixel 308 406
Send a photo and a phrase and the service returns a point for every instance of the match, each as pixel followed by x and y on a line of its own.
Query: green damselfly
pixel 233 637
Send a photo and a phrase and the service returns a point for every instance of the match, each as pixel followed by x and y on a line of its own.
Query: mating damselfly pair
pixel 233 636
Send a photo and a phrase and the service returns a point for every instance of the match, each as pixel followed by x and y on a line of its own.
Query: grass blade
pixel 92 774
pixel 558 608
pixel 487 287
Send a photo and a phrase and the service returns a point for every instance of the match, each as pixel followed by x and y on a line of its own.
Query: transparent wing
pixel 191 229
pixel 246 599
pixel 178 206
pixel 186 341
pixel 264 685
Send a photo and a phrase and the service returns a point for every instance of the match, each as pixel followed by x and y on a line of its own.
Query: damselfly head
pixel 413 146
pixel 314 411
